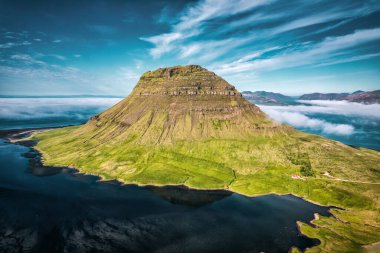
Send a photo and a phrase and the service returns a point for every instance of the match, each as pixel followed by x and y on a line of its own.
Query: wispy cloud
pixel 26 59
pixel 14 44
pixel 305 55
pixel 191 22
pixel 41 111
pixel 163 43
pixel 338 108
pixel 302 121
pixel 304 116
pixel 35 67
pixel 244 36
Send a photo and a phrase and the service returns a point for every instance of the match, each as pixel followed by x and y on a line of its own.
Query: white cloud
pixel 338 108
pixel 34 108
pixel 309 55
pixel 163 43
pixel 349 59
pixel 190 23
pixel 210 49
pixel 196 20
pixel 337 13
pixel 44 72
pixel 301 116
pixel 208 9
pixel 302 121
pixel 13 44
pixel 27 59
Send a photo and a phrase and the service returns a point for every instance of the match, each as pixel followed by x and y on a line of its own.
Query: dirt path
pixel 372 248
pixel 332 178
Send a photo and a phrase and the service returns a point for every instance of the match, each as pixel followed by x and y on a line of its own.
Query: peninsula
pixel 185 125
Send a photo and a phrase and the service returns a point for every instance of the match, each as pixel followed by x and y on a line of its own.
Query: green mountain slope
pixel 185 125
pixel 179 103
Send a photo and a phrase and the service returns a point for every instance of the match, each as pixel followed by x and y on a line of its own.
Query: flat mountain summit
pixel 179 103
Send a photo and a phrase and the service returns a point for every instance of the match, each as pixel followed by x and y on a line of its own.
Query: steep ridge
pixel 177 103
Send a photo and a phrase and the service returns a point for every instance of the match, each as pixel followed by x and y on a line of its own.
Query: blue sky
pixel 103 46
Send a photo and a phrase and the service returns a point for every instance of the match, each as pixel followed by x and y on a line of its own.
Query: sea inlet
pixel 45 209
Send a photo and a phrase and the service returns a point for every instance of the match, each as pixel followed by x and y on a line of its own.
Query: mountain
pixel 184 125
pixel 369 97
pixel 268 98
pixel 357 92
pixel 324 96
pixel 180 103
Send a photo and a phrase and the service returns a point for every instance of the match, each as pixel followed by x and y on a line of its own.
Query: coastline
pixel 340 215
pixel 30 132
pixel 21 137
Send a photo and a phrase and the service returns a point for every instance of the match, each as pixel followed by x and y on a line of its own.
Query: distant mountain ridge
pixel 365 97
pixel 268 98
pixel 324 96
pixel 272 98
pixel 371 97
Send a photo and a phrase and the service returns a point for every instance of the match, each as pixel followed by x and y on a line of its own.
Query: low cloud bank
pixel 301 121
pixel 337 107
pixel 304 116
pixel 37 108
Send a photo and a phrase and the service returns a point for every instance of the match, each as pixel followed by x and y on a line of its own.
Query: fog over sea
pixel 351 123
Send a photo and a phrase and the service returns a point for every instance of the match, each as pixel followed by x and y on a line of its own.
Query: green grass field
pixel 258 165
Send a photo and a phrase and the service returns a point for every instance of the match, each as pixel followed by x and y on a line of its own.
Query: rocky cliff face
pixel 181 102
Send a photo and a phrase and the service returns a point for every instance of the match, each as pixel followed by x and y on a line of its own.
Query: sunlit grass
pixel 252 166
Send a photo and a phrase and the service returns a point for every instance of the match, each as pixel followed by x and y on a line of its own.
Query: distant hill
pixel 365 97
pixel 268 98
pixel 370 97
pixel 324 96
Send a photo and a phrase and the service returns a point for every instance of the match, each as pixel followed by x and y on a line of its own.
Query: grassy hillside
pixel 220 141
pixel 252 166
